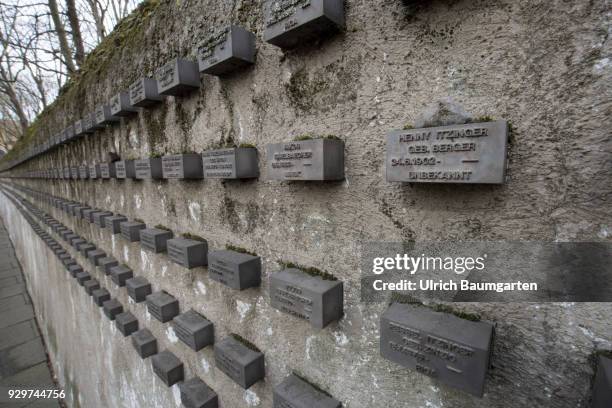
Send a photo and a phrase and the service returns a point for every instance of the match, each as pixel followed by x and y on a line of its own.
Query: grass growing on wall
pixel 239 249
pixel 194 237
pixel 245 342
pixel 310 270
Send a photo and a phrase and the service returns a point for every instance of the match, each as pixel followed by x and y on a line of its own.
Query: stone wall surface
pixel 544 66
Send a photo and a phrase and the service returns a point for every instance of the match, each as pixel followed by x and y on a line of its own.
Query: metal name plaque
pixel 231 163
pixel 471 153
pixel 455 351
pixel 291 22
pixel 317 159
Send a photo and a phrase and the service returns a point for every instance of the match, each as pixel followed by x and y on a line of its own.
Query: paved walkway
pixel 23 361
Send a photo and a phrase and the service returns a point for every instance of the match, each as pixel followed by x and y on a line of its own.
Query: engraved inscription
pixel 219 163
pixel 207 47
pixel 292 159
pixel 137 91
pixel 115 103
pixel 283 9
pixel 166 75
pixel 172 166
pixel 293 301
pixel 424 347
pixel 472 153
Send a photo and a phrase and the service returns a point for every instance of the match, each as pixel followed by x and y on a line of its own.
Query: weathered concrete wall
pixel 543 66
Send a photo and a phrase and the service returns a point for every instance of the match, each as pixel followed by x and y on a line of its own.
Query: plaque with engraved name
pixel 294 392
pixel 154 239
pixel 107 170
pixel 149 168
pixel 75 270
pixel 100 218
pixel 120 105
pixel 95 256
pixel 89 123
pixel 91 285
pixel 83 172
pixel 470 153
pixel 177 77
pixel 195 393
pixel 452 350
pixel 162 306
pixel 103 115
pixel 120 274
pixel 82 277
pixel 226 50
pixel 125 169
pixel 316 159
pixel 240 362
pixel 100 296
pixel 168 367
pixel 138 288
pixel 74 172
pixel 69 133
pixel 94 171
pixel 79 129
pixel 130 230
pixel 143 93
pixel 194 330
pixel 182 166
pixel 114 223
pixel 312 298
pixel 233 163
pixel 87 214
pixel 144 343
pixel 234 269
pixel 107 263
pixel 288 23
pixel 127 323
pixel 112 308
pixel 189 253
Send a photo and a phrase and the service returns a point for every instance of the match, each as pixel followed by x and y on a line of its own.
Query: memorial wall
pixel 193 211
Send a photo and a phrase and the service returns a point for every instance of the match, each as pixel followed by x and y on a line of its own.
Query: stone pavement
pixel 23 361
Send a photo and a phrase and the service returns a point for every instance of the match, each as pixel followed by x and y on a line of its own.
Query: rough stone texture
pixel 542 65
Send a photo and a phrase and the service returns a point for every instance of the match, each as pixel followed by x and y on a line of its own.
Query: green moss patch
pixel 239 249
pixel 397 297
pixel 245 342
pixel 481 119
pixel 194 237
pixel 450 310
pixel 312 271
pixel 162 227
pixel 309 136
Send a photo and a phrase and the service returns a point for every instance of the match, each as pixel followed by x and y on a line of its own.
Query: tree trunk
pixel 77 39
pixel 16 107
pixel 95 12
pixel 61 35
